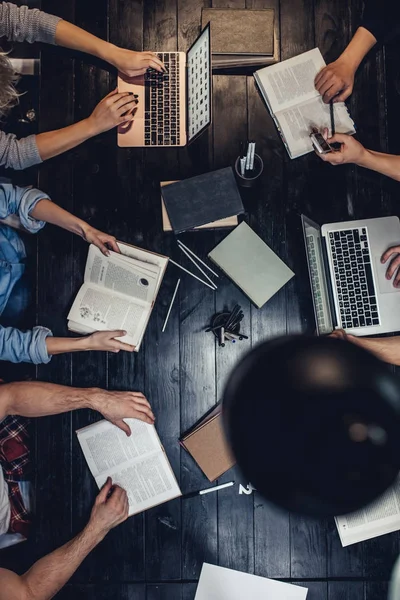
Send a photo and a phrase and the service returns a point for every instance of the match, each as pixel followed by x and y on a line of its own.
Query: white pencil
pixel 198 266
pixel 199 259
pixel 192 274
pixel 252 153
pixel 170 306
pixel 216 488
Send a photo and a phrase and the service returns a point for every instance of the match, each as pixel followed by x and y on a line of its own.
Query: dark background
pixel 158 555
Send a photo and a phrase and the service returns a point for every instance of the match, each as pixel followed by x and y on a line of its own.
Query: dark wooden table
pixel 158 555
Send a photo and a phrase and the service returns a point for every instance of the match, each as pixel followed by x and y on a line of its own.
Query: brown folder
pixel 208 446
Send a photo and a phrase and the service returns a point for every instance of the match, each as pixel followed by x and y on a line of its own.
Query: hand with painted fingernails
pixel 132 64
pixel 114 110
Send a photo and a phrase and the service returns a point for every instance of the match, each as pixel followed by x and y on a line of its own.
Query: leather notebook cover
pixel 251 264
pixel 208 446
pixel 202 199
pixel 240 31
pixel 228 222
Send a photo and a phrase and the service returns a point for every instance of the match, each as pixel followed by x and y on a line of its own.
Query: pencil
pixel 192 274
pixel 332 118
pixel 199 259
pixel 196 265
pixel 170 306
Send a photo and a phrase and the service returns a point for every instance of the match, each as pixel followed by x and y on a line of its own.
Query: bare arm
pixel 112 111
pixel 127 61
pixel 351 151
pixel 386 349
pixel 336 80
pixel 38 399
pixel 49 574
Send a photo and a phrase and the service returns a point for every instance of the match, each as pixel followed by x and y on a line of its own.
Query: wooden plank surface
pixel 159 555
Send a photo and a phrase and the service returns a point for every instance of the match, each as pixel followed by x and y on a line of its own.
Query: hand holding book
pixel 110 509
pixel 117 406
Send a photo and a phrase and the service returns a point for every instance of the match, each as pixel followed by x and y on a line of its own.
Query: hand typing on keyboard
pixel 113 110
pixel 393 268
pixel 132 63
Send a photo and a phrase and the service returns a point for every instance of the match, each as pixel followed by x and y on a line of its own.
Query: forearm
pixel 47 211
pixel 386 349
pixel 53 143
pixel 359 46
pixel 49 574
pixel 71 36
pixel 387 164
pixel 38 399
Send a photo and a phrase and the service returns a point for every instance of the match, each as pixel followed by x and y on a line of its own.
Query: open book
pixel 295 105
pixel 137 463
pixel 118 292
pixel 380 517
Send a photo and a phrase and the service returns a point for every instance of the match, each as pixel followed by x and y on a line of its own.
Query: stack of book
pixel 242 37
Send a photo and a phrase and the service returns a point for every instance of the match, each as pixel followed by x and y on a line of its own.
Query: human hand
pixel 99 239
pixel 133 63
pixel 335 81
pixel 105 340
pixel 350 150
pixel 116 406
pixel 108 511
pixel 115 109
pixel 394 265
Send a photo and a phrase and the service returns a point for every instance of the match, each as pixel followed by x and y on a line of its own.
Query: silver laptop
pixel 348 281
pixel 174 107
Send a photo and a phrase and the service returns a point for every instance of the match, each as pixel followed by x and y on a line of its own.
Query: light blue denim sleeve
pixel 21 201
pixel 24 346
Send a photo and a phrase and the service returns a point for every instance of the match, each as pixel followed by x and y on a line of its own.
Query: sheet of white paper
pixel 218 583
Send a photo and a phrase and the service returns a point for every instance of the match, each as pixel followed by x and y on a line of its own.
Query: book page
pixel 378 518
pixel 291 81
pixel 297 123
pixel 147 257
pixel 136 463
pixel 120 275
pixel 103 310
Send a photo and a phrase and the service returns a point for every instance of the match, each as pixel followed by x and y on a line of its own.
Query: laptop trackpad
pixel 385 285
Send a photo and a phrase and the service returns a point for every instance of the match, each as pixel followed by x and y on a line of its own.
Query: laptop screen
pixel 199 84
pixel 316 269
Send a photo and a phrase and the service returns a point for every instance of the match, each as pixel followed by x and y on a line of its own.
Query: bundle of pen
pixel 226 326
pixel 247 159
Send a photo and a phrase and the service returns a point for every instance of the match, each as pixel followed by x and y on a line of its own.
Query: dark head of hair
pixel 314 424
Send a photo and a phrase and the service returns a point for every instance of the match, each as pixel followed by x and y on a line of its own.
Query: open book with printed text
pixel 295 105
pixel 378 518
pixel 118 292
pixel 137 463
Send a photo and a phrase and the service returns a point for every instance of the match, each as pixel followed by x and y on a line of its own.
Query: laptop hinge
pixel 329 282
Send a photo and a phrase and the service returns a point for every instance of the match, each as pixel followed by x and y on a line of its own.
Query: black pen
pixel 332 118
pixel 208 490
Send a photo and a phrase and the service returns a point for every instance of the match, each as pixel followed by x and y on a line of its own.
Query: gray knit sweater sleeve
pixel 18 154
pixel 19 24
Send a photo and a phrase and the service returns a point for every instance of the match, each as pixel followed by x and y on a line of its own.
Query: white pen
pixel 199 259
pixel 196 265
pixel 192 274
pixel 248 157
pixel 170 306
pixel 252 153
pixel 242 165
pixel 209 490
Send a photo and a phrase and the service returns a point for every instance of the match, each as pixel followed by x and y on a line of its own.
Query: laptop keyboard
pixel 161 117
pixel 354 281
pixel 315 282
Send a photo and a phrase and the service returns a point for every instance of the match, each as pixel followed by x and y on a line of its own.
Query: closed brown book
pixel 208 446
pixel 240 31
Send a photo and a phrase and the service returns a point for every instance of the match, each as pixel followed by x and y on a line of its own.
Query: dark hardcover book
pixel 202 199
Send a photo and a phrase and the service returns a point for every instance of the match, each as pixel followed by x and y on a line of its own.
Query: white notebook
pixel 251 264
pixel 219 583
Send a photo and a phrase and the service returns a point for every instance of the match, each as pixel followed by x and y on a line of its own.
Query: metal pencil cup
pixel 251 181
